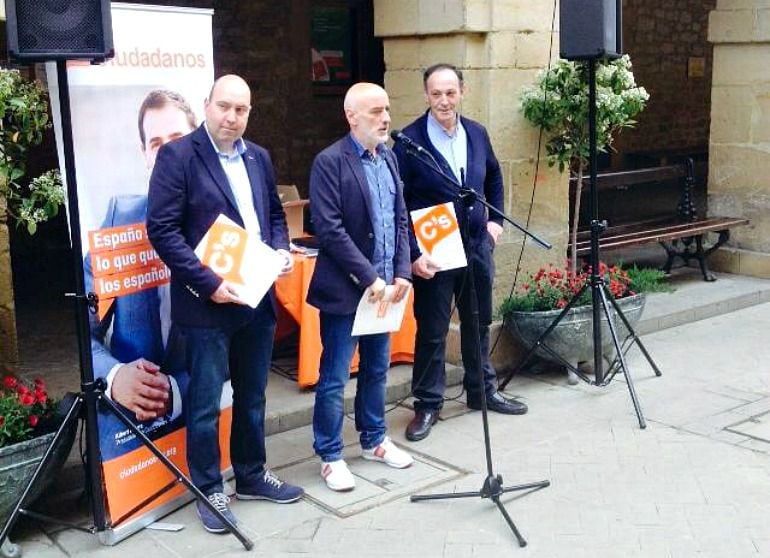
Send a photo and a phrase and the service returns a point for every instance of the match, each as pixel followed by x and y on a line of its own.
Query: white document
pixel 438 235
pixel 250 264
pixel 381 316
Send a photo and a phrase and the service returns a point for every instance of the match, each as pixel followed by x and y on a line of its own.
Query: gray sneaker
pixel 211 522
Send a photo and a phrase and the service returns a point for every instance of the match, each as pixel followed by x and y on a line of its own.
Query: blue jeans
pixel 243 354
pixel 338 348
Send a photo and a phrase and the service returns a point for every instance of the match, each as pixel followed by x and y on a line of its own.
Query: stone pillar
pixel 500 45
pixel 9 349
pixel 739 151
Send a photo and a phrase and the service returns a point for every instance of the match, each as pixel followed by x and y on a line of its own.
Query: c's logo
pixel 224 251
pixel 435 226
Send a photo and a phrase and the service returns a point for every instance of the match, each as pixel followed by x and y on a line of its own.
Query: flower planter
pixel 17 465
pixel 572 338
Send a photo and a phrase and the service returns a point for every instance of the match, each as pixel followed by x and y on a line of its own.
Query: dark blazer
pixel 424 187
pixel 188 191
pixel 341 209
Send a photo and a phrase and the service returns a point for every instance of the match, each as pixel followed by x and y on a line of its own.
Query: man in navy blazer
pixel 213 171
pixel 356 200
pixel 134 346
pixel 463 150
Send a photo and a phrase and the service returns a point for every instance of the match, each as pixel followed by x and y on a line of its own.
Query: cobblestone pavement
pixel 696 482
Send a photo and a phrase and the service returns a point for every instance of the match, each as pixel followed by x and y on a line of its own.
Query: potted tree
pixel 24 113
pixel 23 120
pixel 559 104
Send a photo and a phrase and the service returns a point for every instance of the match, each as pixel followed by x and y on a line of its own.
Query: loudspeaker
pixel 590 29
pixel 40 30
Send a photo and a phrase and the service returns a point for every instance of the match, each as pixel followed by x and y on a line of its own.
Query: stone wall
pixel 739 154
pixel 500 46
pixel 662 38
pixel 9 349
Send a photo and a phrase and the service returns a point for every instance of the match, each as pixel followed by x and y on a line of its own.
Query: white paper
pixel 381 316
pixel 438 235
pixel 259 268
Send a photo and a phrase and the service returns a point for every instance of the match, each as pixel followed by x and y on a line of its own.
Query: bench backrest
pixel 648 193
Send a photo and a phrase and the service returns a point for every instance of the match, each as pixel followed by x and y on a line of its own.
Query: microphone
pixel 400 137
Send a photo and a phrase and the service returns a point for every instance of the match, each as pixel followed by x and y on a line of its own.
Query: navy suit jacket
pixel 425 188
pixel 341 207
pixel 188 191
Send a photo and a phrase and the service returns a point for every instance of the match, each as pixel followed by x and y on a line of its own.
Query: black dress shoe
pixel 419 428
pixel 500 404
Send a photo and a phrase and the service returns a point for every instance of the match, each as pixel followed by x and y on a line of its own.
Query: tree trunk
pixel 9 347
pixel 575 221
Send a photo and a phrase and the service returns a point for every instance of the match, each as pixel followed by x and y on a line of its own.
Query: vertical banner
pixel 123 111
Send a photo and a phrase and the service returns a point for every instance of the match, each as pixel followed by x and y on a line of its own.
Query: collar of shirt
pixel 362 151
pixel 238 151
pixel 435 127
pixel 453 148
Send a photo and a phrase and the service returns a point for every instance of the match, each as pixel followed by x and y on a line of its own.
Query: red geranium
pixel 552 287
pixel 24 407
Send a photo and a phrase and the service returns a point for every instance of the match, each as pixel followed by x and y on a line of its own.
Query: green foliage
pixel 648 280
pixel 23 119
pixel 559 103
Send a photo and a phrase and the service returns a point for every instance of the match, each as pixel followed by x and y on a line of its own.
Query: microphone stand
pixel 492 487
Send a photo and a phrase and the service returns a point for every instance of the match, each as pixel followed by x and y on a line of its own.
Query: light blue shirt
pixel 238 178
pixel 382 197
pixel 454 147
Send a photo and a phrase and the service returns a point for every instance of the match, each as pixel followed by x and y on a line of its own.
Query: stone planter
pixel 17 465
pixel 572 338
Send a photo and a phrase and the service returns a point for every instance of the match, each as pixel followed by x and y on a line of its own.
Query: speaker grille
pixel 59 28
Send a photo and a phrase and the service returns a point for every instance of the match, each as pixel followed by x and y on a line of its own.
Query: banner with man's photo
pixel 123 111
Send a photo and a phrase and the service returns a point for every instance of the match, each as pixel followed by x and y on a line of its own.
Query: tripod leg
pixel 622 359
pixel 180 477
pixel 635 338
pixel 71 416
pixel 509 521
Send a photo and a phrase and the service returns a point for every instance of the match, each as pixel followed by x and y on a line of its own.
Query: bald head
pixel 367 110
pixel 227 111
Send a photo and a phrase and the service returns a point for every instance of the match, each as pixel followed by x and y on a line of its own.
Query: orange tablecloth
pixel 292 291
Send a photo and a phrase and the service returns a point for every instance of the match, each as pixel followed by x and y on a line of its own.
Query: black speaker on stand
pixel 61 30
pixel 42 30
pixel 591 31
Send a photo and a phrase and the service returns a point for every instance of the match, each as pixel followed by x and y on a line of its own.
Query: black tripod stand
pixel 600 301
pixel 92 391
pixel 492 487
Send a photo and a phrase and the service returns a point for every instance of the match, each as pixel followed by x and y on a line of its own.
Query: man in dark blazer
pixel 356 199
pixel 213 171
pixel 463 150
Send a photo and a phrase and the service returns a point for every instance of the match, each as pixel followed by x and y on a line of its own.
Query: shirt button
pixel 371 235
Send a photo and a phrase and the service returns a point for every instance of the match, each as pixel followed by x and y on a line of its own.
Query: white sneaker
pixel 390 454
pixel 337 475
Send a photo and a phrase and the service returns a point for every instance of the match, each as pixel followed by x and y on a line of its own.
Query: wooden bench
pixel 681 233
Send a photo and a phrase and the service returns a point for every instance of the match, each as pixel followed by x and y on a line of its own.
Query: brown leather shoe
pixel 419 428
